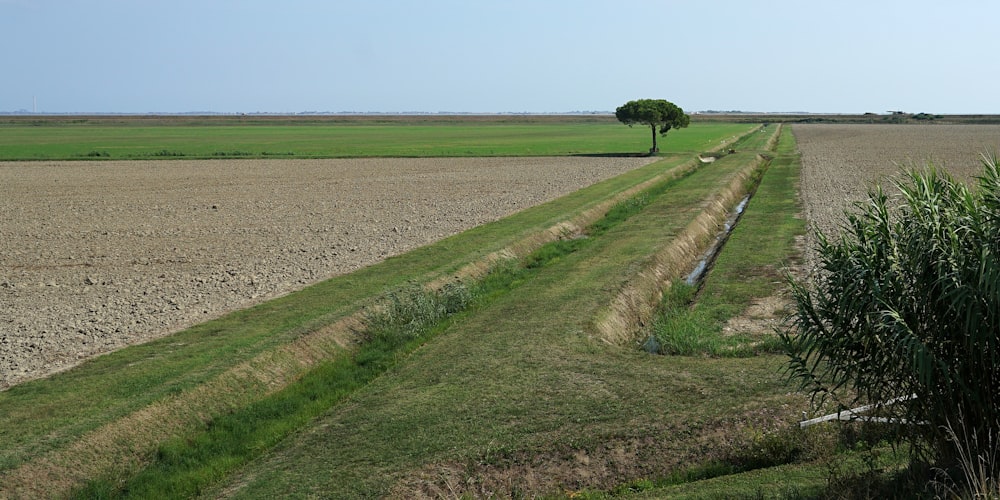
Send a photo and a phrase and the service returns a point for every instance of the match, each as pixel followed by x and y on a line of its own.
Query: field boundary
pixel 574 225
pixel 165 140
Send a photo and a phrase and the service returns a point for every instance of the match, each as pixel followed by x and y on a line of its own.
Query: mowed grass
pixel 344 140
pixel 519 388
pixel 777 459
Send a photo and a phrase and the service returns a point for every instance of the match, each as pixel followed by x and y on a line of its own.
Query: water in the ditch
pixel 706 258
pixel 652 344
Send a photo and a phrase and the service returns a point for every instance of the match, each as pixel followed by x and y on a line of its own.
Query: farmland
pixel 523 393
pixel 98 256
pixel 139 137
pixel 184 361
pixel 841 162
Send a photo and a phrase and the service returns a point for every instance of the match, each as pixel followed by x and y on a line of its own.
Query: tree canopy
pixel 655 113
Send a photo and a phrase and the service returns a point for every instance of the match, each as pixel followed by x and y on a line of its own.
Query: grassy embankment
pixel 54 415
pixel 519 396
pixel 692 316
pixel 180 138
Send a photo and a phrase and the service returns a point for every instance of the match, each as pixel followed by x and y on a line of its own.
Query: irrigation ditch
pixel 702 239
pixel 125 445
pixel 708 257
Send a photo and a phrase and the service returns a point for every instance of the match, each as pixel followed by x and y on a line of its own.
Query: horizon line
pixel 24 112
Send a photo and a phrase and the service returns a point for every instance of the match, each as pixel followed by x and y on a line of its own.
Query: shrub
pixel 904 311
pixel 166 153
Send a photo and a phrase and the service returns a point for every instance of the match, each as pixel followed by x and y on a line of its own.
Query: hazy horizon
pixel 450 56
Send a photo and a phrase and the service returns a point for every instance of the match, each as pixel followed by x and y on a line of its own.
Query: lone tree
pixel 655 113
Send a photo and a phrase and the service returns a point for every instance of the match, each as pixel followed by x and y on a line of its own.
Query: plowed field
pixel 841 162
pixel 95 256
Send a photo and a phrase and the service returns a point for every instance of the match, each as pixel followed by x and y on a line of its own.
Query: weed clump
pixel 684 327
pixel 409 311
pixel 164 153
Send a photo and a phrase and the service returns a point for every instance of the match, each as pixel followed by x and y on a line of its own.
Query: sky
pixel 499 56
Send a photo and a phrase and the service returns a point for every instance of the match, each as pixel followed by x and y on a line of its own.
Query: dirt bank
pixel 95 256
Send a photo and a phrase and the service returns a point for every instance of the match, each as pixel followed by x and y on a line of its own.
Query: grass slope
pixel 780 460
pixel 758 251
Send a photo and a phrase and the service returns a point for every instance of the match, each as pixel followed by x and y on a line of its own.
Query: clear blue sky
pixel 137 56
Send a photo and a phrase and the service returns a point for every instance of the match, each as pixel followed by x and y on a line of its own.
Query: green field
pixel 104 139
pixel 512 393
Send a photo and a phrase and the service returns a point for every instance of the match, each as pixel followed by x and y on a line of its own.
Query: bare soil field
pixel 96 256
pixel 841 162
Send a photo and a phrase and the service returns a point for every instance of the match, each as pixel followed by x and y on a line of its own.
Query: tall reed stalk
pixel 905 307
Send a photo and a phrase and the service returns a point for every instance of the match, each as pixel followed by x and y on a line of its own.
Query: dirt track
pixel 95 256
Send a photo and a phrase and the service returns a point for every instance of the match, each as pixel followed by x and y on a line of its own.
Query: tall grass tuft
pixel 624 209
pixel 683 327
pixel 976 468
pixel 408 312
pixel 904 312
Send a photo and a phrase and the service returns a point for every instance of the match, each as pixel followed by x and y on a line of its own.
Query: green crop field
pixel 99 139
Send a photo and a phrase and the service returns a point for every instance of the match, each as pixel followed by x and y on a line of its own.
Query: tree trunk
pixel 654 149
